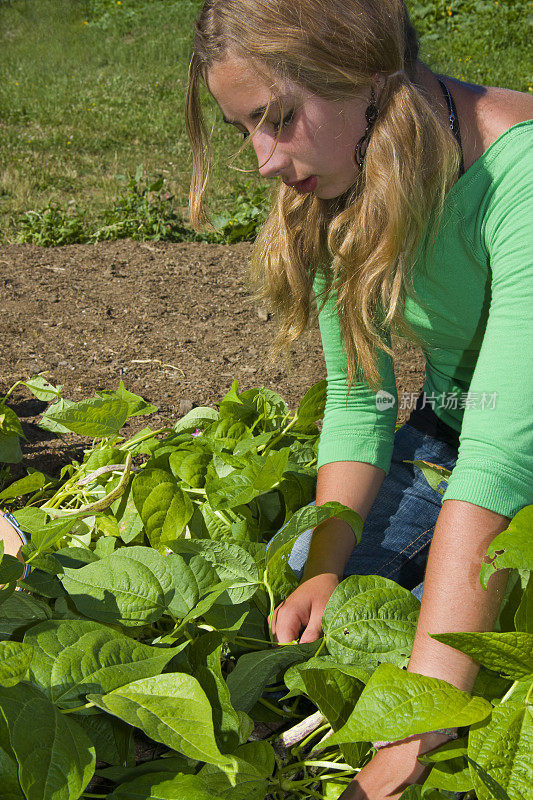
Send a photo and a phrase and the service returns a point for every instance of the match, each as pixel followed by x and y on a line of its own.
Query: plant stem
pixel 320 646
pixel 312 793
pixel 275 709
pixel 272 604
pixel 191 490
pixel 251 639
pixel 265 449
pixel 309 726
pixel 3 399
pixel 325 764
pixel 509 692
pixel 87 794
pixel 78 708
pixel 133 442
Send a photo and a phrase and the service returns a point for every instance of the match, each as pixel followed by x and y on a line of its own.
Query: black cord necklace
pixel 454 121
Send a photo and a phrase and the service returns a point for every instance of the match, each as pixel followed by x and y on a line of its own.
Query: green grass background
pixel 89 89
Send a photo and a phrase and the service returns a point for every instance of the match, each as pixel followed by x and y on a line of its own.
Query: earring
pixel 371 114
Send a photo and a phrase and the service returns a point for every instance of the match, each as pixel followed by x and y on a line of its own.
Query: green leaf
pixel 104 457
pixel 44 532
pixel 333 691
pixel 395 704
pixel 172 709
pixel 164 508
pixel 256 670
pixel 225 435
pixel 48 639
pixel 312 403
pixel 509 653
pixel 217 526
pixel 12 700
pixel 129 520
pixel 281 579
pixel 499 752
pixel 169 764
pixel 242 486
pixel 243 619
pixel 369 619
pixel 446 752
pixel 436 476
pixel 205 656
pixel 199 417
pixel 132 585
pixel 231 563
pixel 251 444
pixel 15 659
pixel 511 548
pixel 11 569
pixel 56 758
pixel 452 775
pixel 136 405
pixel 310 517
pixel 31 483
pixel 10 452
pixel 190 466
pixel 298 489
pixel 186 592
pixel 101 661
pixel 255 764
pixel 19 612
pixel 42 389
pixel 206 603
pixel 9 780
pixel 524 614
pixel 98 418
pixel 164 786
pixel 48 423
pixel 9 422
pixel 494 788
pixel 293 676
pixel 112 739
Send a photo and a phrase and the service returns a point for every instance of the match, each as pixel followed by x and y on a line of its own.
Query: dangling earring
pixel 371 114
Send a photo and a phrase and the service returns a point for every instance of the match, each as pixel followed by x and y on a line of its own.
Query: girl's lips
pixel 307 186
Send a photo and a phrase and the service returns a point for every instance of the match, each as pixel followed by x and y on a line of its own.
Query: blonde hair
pixel 366 241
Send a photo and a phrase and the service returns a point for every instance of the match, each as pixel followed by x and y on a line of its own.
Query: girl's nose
pixel 272 162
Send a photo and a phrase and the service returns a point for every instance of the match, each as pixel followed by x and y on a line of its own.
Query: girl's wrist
pixel 331 546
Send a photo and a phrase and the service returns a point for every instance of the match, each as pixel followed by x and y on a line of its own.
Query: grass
pixel 90 89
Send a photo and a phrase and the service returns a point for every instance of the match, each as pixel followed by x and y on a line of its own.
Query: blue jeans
pixel 400 525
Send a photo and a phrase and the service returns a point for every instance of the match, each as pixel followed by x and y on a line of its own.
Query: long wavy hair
pixel 366 242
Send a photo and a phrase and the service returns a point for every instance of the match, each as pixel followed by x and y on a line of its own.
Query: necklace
pixel 454 121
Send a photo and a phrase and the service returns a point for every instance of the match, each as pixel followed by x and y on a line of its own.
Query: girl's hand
pixel 303 609
pixel 393 769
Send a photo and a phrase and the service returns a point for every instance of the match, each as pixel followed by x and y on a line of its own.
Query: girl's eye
pixel 287 119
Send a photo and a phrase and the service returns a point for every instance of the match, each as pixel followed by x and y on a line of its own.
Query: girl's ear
pixel 378 80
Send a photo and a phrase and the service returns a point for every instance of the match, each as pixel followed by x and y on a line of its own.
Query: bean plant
pixel 156 561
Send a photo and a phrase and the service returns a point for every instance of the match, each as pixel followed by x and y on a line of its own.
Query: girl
pixel 403 204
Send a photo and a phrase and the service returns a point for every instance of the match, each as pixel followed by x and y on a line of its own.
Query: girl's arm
pixel 453 600
pixel 355 484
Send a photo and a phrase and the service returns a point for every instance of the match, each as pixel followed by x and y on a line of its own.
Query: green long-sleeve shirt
pixel 478 324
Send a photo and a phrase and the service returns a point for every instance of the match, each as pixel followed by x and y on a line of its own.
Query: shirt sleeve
pixel 358 426
pixel 494 468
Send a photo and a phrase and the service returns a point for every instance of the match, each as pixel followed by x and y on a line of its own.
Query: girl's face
pixel 315 149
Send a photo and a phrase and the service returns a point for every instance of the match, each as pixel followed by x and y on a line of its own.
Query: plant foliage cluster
pixel 156 561
pixel 144 211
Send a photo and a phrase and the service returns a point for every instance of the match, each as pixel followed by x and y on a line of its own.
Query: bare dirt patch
pixel 176 322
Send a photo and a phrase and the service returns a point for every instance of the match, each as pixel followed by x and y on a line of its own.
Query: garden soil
pixel 176 322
